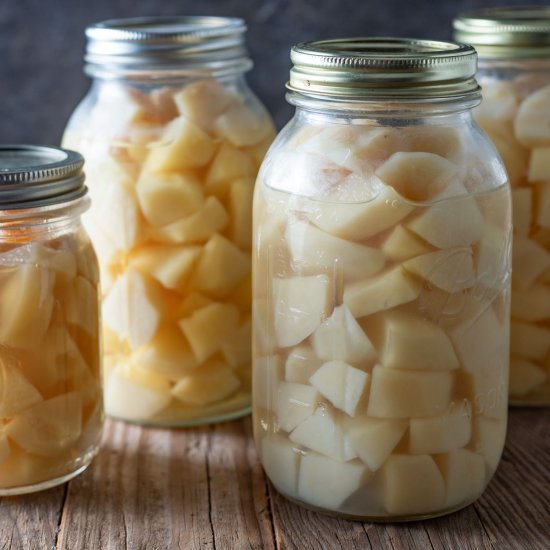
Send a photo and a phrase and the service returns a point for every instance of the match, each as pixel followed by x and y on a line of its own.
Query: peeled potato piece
pixel 281 462
pixel 300 364
pixel 529 260
pixel 16 392
pixel 532 303
pixel 529 341
pixel 525 376
pixel 532 123
pixel 296 402
pixel 543 204
pixel 241 126
pixel 522 208
pixel 401 244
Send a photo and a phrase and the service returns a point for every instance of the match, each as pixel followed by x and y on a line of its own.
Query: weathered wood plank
pixel 31 521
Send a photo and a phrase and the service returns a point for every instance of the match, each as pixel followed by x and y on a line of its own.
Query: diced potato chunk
pixel 238 350
pixel 525 376
pixel 399 393
pixel 327 483
pixel 373 439
pixel 529 341
pixel 50 427
pixel 418 176
pixel 322 433
pixel 240 213
pixel 267 374
pixel 342 384
pixel 300 364
pixel 220 267
pixel 450 223
pixel 464 475
pixel 296 402
pixel 207 384
pixel 539 165
pixel 191 303
pixel 300 303
pixel 413 485
pixel 450 270
pixel 183 145
pixel 209 328
pixel 532 123
pixel 341 337
pixel 281 461
pixel 387 290
pixel 166 198
pixel 241 126
pixel 522 208
pixel 313 250
pixel 405 341
pixel 442 434
pixel 529 260
pixel 401 244
pixel 16 392
pixel 532 303
pixel 82 305
pixel 133 308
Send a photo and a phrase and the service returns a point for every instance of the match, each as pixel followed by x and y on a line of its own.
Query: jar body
pixel 50 393
pixel 170 167
pixel 514 113
pixel 381 275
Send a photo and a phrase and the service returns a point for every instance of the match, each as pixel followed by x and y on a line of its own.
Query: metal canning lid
pixel 33 175
pixel 358 69
pixel 167 43
pixel 521 31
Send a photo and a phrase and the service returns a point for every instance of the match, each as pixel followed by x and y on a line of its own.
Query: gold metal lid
pixel 520 31
pixel 362 69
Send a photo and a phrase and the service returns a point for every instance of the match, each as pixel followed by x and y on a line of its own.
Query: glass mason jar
pixel 50 393
pixel 514 70
pixel 381 278
pixel 173 139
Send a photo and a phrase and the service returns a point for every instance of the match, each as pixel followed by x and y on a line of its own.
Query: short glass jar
pixel 173 139
pixel 381 279
pixel 51 412
pixel 513 45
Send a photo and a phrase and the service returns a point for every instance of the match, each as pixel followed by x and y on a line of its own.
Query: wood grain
pixel 203 488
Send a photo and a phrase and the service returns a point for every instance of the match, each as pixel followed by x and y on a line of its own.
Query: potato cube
pixel 221 266
pixel 450 270
pixel 529 261
pixel 488 439
pixel 522 208
pixel 17 393
pixel 198 227
pixel 327 483
pixel 532 303
pixel 313 250
pixel 543 204
pixel 134 393
pixel 240 213
pixel 208 328
pixel 341 337
pixel 529 341
pixel 242 126
pixel 238 350
pixel 169 265
pixel 374 439
pixel 464 475
pixel 356 221
pixel 532 123
pixel 399 393
pixel 418 176
pixel 442 434
pixel 342 384
pixel 401 244
pixel 50 427
pixel 405 341
pixel 389 289
pixel 525 376
pixel 133 308
pixel 191 303
pixel 167 198
pixel 295 403
pixel 82 305
pixel 300 364
pixel 281 461
pixel 323 434
pixel 412 484
pixel 207 384
pixel 266 378
pixel 183 145
pixel 300 304
pixel 229 164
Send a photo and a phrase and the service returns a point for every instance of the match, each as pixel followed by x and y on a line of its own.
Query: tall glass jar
pixel 514 70
pixel 173 139
pixel 381 278
pixel 50 395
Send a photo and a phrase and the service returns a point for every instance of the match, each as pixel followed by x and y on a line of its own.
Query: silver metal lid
pixel 516 32
pixel 192 43
pixel 377 68
pixel 33 175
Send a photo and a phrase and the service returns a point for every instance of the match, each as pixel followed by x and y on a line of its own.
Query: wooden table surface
pixel 203 488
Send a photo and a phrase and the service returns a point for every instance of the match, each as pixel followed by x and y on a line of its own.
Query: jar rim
pixel 366 68
pixel 34 175
pixel 142 44
pixel 506 32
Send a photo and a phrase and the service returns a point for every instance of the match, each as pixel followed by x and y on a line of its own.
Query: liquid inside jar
pixel 50 393
pixel 381 325
pixel 171 173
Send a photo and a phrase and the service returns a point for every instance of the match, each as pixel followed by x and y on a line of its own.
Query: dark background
pixel 42 43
